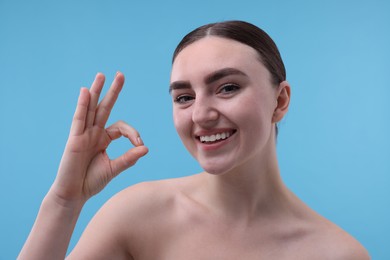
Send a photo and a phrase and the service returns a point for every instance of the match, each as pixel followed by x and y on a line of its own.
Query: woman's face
pixel 223 103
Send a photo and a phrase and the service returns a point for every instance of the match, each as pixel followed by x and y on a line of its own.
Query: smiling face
pixel 224 103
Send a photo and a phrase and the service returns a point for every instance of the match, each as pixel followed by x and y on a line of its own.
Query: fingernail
pixel 139 140
pixel 117 73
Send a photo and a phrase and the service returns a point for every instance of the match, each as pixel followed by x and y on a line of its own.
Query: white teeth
pixel 213 138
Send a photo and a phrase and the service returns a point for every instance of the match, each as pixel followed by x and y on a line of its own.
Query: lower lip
pixel 214 146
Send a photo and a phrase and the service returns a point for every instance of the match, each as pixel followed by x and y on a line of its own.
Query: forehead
pixel 213 53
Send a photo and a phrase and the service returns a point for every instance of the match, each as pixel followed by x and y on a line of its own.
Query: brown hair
pixel 247 34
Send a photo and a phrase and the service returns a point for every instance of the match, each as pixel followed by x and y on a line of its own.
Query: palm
pixel 85 167
pixel 88 152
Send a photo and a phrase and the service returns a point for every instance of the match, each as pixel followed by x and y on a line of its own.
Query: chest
pixel 208 240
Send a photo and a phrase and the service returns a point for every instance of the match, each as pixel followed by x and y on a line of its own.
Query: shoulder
pixel 151 194
pixel 331 242
pixel 145 198
pixel 131 216
pixel 150 211
pixel 148 202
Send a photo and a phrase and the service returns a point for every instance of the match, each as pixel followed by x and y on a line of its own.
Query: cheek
pixel 180 121
pixel 183 124
pixel 252 112
pixel 176 122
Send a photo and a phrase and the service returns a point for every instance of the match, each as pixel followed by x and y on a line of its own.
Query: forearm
pixel 52 230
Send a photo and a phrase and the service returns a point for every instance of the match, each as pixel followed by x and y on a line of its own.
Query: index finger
pixel 104 108
pixel 80 115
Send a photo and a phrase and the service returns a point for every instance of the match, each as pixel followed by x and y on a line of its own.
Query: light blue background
pixel 333 145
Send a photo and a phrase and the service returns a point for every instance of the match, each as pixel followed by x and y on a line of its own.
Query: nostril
pixel 204 114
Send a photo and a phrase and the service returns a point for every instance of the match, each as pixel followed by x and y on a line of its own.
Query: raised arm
pixel 85 169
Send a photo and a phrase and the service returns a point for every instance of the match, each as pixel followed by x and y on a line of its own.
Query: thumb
pixel 128 159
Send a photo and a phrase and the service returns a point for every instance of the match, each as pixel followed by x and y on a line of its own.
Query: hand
pixel 85 168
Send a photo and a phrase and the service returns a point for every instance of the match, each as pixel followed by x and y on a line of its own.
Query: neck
pixel 252 189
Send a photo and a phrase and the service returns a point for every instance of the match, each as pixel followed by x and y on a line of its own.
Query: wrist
pixel 52 199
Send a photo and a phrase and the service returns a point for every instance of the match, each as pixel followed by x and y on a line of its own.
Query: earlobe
pixel 282 101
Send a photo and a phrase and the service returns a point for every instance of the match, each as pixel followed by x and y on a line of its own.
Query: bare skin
pixel 169 220
pixel 238 208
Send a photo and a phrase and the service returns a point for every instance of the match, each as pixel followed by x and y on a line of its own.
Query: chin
pixel 216 169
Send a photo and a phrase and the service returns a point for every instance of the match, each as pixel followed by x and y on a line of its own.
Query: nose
pixel 204 113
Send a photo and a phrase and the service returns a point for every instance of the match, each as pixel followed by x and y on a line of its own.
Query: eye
pixel 228 88
pixel 183 99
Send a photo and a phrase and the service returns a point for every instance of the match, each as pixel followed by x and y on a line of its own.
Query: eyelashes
pixel 228 88
pixel 225 90
pixel 182 99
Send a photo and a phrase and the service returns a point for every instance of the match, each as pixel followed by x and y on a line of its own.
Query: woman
pixel 229 89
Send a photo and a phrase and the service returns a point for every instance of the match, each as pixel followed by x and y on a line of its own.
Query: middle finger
pixel 104 108
pixel 95 91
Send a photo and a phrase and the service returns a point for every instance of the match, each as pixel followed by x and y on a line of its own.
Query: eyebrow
pixel 179 85
pixel 219 74
pixel 214 76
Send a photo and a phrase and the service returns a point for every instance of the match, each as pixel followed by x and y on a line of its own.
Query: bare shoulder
pixel 151 202
pixel 329 241
pixel 150 213
pixel 146 200
pixel 131 217
pixel 152 195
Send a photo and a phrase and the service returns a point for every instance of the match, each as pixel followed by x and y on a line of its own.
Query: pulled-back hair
pixel 247 34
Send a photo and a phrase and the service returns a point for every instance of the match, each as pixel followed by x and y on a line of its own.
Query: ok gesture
pixel 85 168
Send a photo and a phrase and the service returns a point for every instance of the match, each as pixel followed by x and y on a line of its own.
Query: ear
pixel 283 101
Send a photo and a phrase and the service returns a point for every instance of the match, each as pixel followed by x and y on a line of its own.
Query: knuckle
pixel 121 122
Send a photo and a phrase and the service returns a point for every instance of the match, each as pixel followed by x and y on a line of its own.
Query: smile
pixel 215 137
